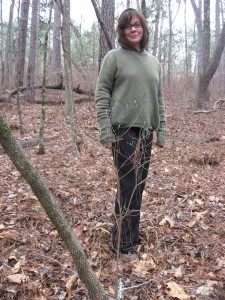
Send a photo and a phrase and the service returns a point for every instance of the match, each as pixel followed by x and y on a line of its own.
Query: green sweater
pixel 129 93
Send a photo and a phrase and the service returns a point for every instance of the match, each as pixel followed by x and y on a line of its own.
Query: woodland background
pixel 48 66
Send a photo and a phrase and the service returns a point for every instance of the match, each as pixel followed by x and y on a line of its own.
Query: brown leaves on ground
pixel 181 255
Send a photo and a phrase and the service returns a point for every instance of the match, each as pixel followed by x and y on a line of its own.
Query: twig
pixel 136 286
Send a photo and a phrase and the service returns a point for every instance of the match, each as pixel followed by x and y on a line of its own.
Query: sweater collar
pixel 128 46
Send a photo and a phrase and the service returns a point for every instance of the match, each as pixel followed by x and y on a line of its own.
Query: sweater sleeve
pixel 102 98
pixel 161 133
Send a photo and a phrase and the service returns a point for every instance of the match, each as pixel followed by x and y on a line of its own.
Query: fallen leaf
pixel 192 222
pixel 17 278
pixel 204 290
pixel 2 226
pixel 178 272
pixel 167 220
pixel 176 291
pixel 111 291
pixel 16 267
pixel 71 283
pixel 142 267
pixel 200 215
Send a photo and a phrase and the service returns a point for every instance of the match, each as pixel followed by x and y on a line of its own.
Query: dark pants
pixel 131 154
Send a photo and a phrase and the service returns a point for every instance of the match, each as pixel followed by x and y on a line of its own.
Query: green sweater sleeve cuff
pixel 106 131
pixel 161 134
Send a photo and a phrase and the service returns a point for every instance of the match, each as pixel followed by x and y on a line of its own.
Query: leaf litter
pixel 181 254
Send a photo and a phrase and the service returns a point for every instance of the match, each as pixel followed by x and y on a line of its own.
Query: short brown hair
pixel 124 19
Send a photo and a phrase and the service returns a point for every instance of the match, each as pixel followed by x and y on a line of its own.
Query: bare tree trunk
pixel 8 65
pixel 69 107
pixel 55 214
pixel 128 3
pixel 186 44
pixel 41 149
pixel 56 64
pixel 156 32
pixel 143 8
pixel 205 79
pixel 207 67
pixel 103 27
pixel 170 43
pixel 1 43
pixel 217 34
pixel 30 93
pixel 107 13
pixel 138 5
pixel 22 41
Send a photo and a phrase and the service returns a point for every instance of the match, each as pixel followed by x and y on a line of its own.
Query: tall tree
pixel 128 3
pixel 33 51
pixel 170 43
pixel 1 43
pixel 102 24
pixel 144 8
pixel 158 9
pixel 22 41
pixel 68 69
pixel 8 65
pixel 208 67
pixel 41 149
pixel 107 14
pixel 56 63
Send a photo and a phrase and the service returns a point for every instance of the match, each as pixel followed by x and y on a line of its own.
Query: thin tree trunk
pixel 138 5
pixel 110 43
pixel 1 43
pixel 55 214
pixel 22 41
pixel 41 149
pixel 156 32
pixel 69 107
pixel 107 14
pixel 8 66
pixel 56 64
pixel 170 43
pixel 30 93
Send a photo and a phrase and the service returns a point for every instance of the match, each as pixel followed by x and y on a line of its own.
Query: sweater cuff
pixel 106 131
pixel 161 134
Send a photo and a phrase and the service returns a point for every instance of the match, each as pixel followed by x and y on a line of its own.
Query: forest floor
pixel 182 251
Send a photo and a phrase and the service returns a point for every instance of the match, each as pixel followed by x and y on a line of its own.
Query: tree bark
pixel 30 93
pixel 41 149
pixel 22 41
pixel 8 65
pixel 55 214
pixel 107 14
pixel 103 27
pixel 156 31
pixel 56 63
pixel 69 107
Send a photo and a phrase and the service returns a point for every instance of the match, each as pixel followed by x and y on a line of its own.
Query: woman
pixel 130 106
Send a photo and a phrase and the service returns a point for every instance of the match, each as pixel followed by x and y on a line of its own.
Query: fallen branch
pixel 62 102
pixel 218 105
pixel 26 144
pixel 61 87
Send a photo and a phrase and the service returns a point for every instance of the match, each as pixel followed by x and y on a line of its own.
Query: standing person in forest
pixel 130 106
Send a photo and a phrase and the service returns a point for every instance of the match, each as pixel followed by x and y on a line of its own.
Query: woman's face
pixel 134 32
